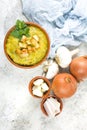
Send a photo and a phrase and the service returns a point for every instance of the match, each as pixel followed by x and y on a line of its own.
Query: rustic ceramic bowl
pixel 31 86
pixel 27 66
pixel 45 98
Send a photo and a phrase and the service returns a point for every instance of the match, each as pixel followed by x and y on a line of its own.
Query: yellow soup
pixel 29 50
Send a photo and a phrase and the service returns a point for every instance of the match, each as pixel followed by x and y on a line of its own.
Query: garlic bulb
pixel 50 68
pixel 64 56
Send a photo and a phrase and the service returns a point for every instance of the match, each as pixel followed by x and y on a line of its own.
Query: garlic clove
pixel 45 68
pixel 39 87
pixel 48 108
pixel 55 103
pixel 52 70
pixel 37 92
pixel 34 87
pixel 50 61
pixel 44 87
pixel 45 62
pixel 52 106
pixel 38 82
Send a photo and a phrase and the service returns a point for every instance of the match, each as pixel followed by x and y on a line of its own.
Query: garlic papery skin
pixel 52 69
pixel 52 107
pixel 64 57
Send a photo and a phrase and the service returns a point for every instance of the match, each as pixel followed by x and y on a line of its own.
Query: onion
pixel 78 67
pixel 64 85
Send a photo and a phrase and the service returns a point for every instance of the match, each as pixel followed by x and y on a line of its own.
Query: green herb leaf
pixel 21 28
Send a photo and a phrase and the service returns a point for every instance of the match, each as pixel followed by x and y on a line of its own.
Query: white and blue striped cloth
pixel 64 20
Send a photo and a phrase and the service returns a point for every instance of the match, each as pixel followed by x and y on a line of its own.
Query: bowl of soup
pixel 26 44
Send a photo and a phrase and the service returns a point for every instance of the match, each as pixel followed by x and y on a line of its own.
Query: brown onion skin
pixel 78 68
pixel 64 85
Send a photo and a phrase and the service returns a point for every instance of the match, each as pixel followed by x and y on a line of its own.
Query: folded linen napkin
pixel 64 20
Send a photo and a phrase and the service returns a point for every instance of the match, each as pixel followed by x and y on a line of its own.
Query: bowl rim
pixel 54 96
pixel 26 66
pixel 30 85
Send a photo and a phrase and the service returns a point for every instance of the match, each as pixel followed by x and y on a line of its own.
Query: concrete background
pixel 18 109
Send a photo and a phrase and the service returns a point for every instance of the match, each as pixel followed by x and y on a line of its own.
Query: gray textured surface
pixel 18 109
